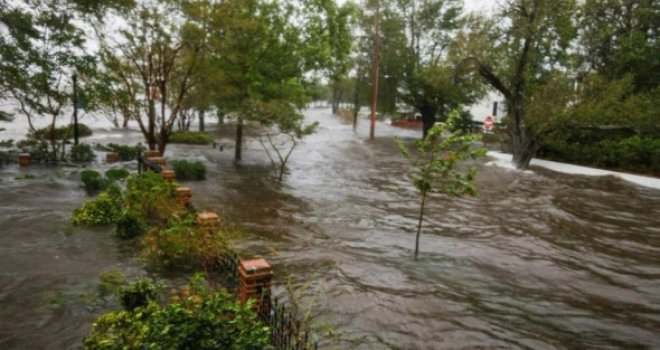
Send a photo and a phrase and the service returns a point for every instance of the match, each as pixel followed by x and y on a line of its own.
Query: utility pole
pixel 374 73
pixel 75 109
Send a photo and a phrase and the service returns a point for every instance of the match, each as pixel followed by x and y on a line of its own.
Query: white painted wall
pixel 484 107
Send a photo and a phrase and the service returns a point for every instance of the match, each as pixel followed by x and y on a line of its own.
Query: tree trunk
pixel 419 224
pixel 239 139
pixel 201 121
pixel 428 118
pixel 524 146
pixel 336 96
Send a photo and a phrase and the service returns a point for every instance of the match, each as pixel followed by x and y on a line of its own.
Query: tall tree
pixel 155 58
pixel 620 37
pixel 514 52
pixel 329 41
pixel 260 53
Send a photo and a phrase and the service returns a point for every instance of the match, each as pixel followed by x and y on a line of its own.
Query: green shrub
pixel 186 170
pixel 93 181
pixel 190 137
pixel 130 225
pixel 104 210
pixel 150 197
pixel 60 133
pixel 82 153
pixel 124 153
pixel 183 245
pixel 138 294
pixel 7 143
pixel 206 320
pixel 111 282
pixel 116 174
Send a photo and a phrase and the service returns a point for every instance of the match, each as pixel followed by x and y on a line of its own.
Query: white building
pixel 492 104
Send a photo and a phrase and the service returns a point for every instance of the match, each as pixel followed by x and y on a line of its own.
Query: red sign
pixel 488 123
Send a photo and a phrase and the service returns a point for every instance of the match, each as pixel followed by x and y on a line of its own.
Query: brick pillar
pixel 111 157
pixel 149 154
pixel 24 159
pixel 160 161
pixel 183 195
pixel 168 175
pixel 254 280
pixel 208 219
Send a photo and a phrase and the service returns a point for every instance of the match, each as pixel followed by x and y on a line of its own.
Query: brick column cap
pixel 255 266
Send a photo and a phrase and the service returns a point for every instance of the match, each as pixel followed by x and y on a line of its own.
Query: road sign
pixel 488 123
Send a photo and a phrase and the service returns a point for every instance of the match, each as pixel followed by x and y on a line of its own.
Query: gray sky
pixel 470 5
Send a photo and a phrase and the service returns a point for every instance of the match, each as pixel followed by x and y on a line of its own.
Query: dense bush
pixel 138 294
pixel 82 153
pixel 61 133
pixel 124 153
pixel 205 320
pixel 117 174
pixel 93 181
pixel 151 197
pixel 190 137
pixel 105 209
pixel 183 245
pixel 130 225
pixel 186 170
pixel 631 153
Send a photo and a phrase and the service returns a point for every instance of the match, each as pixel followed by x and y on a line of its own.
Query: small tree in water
pixel 283 131
pixel 434 161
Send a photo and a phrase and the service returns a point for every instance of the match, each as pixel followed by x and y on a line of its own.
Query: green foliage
pixel 111 282
pixel 436 157
pixel 61 133
pixel 7 143
pixel 183 245
pixel 93 181
pixel 434 163
pixel 186 170
pixel 82 153
pixel 116 174
pixel 138 294
pixel 150 197
pixel 104 210
pixel 190 137
pixel 206 320
pixel 125 153
pixel 130 225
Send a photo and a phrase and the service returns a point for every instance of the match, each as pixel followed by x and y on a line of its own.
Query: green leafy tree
pixel 153 62
pixel 620 37
pixel 260 54
pixel 515 52
pixel 434 161
pixel 329 42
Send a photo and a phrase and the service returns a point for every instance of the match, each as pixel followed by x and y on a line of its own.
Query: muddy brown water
pixel 538 260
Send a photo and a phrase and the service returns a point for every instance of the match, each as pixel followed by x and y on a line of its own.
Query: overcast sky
pixel 470 5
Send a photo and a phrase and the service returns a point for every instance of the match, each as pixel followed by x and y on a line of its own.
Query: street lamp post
pixel 75 109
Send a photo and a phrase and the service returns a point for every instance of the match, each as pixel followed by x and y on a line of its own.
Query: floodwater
pixel 538 260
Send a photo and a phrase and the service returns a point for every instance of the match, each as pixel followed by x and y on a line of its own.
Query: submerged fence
pixel 287 332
